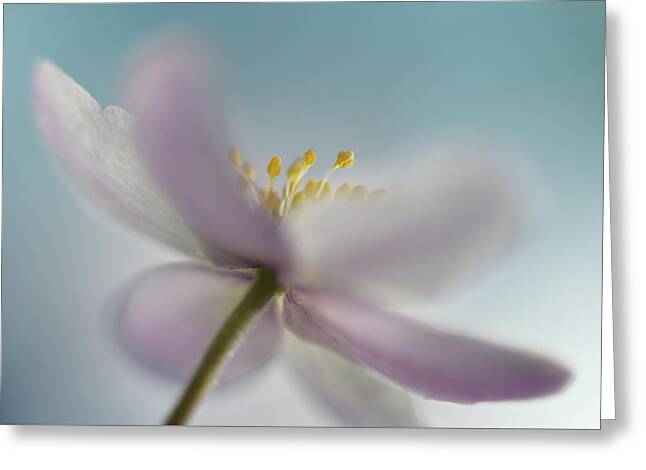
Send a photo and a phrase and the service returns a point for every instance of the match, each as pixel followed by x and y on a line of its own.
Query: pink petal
pixel 168 316
pixel 184 146
pixel 440 365
pixel 94 146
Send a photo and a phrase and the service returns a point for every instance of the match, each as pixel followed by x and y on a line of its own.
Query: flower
pixel 172 174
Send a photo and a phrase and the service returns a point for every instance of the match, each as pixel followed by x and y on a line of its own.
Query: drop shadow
pixel 617 178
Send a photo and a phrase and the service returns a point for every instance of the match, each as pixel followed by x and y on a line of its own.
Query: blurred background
pixel 389 81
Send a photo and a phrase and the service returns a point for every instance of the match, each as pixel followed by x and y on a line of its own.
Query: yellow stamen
pixel 358 193
pixel 296 193
pixel 309 158
pixel 270 200
pixel 274 167
pixel 234 157
pixel 294 175
pixel 311 188
pixel 295 171
pixel 311 185
pixel 248 170
pixel 326 191
pixel 344 159
pixel 298 201
pixel 342 192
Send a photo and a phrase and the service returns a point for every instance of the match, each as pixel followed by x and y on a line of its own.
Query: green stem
pixel 261 292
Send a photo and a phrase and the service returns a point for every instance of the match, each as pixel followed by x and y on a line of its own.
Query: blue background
pixel 385 79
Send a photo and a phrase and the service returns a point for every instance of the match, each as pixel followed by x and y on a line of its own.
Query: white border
pixel 607 330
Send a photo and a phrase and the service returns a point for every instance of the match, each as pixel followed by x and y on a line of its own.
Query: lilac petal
pixel 428 238
pixel 439 365
pixel 352 391
pixel 94 146
pixel 185 149
pixel 168 316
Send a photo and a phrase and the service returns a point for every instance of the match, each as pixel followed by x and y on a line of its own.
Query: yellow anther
pixel 234 157
pixel 248 170
pixel 310 184
pixel 344 159
pixel 378 195
pixel 298 201
pixel 309 158
pixel 326 191
pixel 311 188
pixel 342 192
pixel 358 193
pixel 274 167
pixel 296 192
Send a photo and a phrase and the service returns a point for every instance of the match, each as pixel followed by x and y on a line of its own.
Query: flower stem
pixel 264 288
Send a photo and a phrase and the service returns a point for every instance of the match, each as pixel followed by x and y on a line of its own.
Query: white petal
pixel 94 146
pixel 427 238
pixel 351 390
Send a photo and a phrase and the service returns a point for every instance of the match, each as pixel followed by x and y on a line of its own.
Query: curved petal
pixel 355 393
pixel 426 238
pixel 185 148
pixel 168 316
pixel 94 146
pixel 440 365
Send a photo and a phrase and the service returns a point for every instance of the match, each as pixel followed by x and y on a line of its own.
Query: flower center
pixel 296 192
